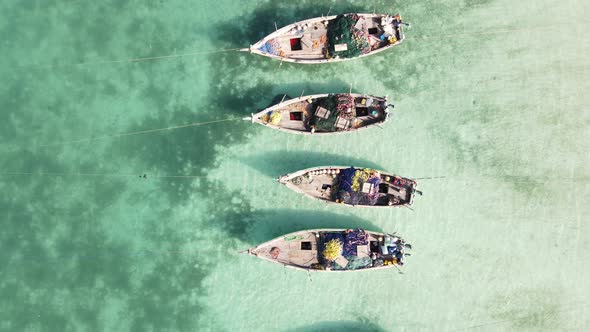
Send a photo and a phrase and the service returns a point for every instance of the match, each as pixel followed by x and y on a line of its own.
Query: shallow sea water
pixel 491 98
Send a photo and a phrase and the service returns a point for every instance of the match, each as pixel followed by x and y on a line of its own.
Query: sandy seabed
pixel 491 100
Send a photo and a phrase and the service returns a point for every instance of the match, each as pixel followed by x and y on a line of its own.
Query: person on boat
pixel 397 21
pixel 393 201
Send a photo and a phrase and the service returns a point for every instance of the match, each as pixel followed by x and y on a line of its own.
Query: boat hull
pixel 325 184
pixel 282 39
pixel 308 105
pixel 304 250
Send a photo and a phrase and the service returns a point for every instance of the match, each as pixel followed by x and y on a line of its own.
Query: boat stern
pixel 413 191
pixel 388 109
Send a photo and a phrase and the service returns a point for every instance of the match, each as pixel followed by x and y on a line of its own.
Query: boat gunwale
pixel 256 116
pixel 309 269
pixel 284 179
pixel 254 47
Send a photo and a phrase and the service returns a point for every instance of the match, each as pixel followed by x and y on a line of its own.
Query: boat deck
pixel 325 113
pixel 300 249
pixel 324 186
pixel 308 43
pixel 319 186
pixel 359 250
pixel 311 42
pixel 287 121
pixel 365 120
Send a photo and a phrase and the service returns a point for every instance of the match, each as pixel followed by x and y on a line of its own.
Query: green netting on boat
pixel 355 263
pixel 339 106
pixel 341 30
pixel 330 104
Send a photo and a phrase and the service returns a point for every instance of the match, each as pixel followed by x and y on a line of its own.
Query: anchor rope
pixel 169 56
pixel 487 32
pixel 172 56
pixel 137 132
pixel 138 174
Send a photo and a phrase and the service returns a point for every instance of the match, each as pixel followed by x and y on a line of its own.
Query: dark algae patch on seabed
pixel 87 252
pixel 261 20
pixel 65 267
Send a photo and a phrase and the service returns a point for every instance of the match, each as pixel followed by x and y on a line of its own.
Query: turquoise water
pixel 491 98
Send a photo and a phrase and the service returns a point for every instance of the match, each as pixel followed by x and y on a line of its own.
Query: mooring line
pixel 136 133
pixel 471 33
pixel 487 32
pixel 170 56
pixel 429 178
pixel 136 175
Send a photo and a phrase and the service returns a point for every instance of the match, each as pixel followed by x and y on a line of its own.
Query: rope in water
pixel 139 174
pixel 170 56
pixel 143 175
pixel 136 132
pixel 173 56
pixel 487 32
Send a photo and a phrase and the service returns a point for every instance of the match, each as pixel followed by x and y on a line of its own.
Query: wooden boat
pixel 334 250
pixel 352 186
pixel 325 113
pixel 332 38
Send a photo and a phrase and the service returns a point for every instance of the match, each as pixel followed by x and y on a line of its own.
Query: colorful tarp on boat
pixel 358 186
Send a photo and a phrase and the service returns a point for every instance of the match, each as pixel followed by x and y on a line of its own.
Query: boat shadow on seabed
pixel 328 326
pixel 277 163
pixel 261 22
pixel 268 224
